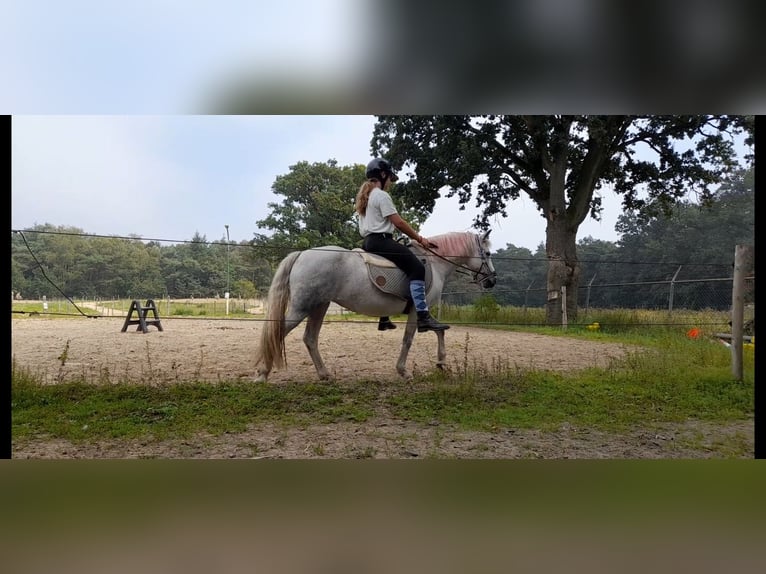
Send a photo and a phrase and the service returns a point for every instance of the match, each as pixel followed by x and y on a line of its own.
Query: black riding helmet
pixel 376 168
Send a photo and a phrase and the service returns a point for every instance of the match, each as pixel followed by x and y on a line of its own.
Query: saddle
pixel 387 277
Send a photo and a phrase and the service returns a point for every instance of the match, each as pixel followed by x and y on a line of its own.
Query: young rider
pixel 377 218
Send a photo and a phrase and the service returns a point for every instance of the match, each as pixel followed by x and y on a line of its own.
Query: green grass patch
pixel 56 309
pixel 204 308
pixel 80 411
pixel 669 378
pixel 589 322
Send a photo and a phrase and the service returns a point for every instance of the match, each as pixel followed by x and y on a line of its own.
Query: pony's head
pixel 486 274
pixel 470 252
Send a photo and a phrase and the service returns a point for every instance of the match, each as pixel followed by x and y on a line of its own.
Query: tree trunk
pixel 563 271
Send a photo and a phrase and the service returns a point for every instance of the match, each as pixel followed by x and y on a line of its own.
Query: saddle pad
pixel 373 259
pixel 387 277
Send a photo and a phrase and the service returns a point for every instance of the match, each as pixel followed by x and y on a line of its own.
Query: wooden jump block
pixel 142 321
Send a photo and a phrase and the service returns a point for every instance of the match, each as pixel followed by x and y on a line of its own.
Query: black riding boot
pixel 384 323
pixel 428 323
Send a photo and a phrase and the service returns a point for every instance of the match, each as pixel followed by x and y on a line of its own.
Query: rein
pixel 464 268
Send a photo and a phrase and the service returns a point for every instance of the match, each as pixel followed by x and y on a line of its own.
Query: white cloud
pixel 150 56
pixel 97 173
pixel 168 177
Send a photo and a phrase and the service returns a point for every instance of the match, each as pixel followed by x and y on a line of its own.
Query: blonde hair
pixel 363 195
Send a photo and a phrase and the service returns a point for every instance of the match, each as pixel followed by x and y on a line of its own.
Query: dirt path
pixel 207 349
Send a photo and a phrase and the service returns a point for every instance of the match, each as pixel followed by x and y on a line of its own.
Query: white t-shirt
pixel 379 207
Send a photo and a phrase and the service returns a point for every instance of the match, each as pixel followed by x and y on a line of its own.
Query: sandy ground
pixel 214 350
pixel 208 349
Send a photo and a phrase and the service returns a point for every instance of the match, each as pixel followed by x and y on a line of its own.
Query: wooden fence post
pixel 564 306
pixel 742 260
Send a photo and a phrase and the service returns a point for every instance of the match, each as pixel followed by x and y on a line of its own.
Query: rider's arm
pixel 406 228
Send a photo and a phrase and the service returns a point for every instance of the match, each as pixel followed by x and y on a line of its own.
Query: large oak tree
pixel 561 163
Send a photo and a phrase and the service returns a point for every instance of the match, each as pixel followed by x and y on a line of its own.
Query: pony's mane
pixel 455 243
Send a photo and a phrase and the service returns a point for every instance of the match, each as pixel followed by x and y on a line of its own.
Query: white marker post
pixel 228 270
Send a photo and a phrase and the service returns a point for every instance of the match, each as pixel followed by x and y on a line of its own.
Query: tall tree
pixel 561 163
pixel 317 207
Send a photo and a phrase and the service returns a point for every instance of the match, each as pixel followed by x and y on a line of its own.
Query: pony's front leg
pixel 409 335
pixel 441 351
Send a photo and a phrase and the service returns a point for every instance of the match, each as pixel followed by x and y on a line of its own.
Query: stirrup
pixel 428 323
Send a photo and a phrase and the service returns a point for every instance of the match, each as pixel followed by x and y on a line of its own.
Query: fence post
pixel 587 294
pixel 564 306
pixel 526 295
pixel 742 258
pixel 672 289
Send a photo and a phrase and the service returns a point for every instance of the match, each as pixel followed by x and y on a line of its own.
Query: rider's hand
pixel 424 241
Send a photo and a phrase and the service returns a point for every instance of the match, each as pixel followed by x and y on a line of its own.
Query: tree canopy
pixel 317 206
pixel 562 163
pixel 700 239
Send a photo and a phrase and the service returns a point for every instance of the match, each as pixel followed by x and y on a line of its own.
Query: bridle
pixel 484 272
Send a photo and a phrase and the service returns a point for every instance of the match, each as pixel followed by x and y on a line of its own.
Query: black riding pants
pixel 383 244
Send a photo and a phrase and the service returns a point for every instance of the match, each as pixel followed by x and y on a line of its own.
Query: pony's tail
pixel 272 347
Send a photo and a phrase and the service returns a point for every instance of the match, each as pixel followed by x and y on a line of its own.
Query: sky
pixel 380 56
pixel 169 177
pixel 164 56
pixel 123 116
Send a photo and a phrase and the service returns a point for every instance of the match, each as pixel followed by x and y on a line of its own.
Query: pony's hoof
pixel 441 366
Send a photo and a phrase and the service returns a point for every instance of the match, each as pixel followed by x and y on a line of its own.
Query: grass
pixel 672 379
pixel 622 322
pixel 85 410
pixel 205 308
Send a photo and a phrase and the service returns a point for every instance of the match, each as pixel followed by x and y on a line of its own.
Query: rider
pixel 377 219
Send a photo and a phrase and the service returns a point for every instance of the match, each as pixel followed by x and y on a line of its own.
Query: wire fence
pixel 120 306
pixel 188 290
pixel 672 295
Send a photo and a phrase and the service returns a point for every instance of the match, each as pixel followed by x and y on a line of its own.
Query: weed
pixel 63 359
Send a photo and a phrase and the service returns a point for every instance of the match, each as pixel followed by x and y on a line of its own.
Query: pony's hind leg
pixel 311 339
pixel 268 360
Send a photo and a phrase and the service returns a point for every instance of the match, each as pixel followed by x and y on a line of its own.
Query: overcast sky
pixel 145 167
pixel 169 177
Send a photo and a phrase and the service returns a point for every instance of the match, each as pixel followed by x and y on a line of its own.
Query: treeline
pixel 60 261
pixel 693 247
pixel 695 243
